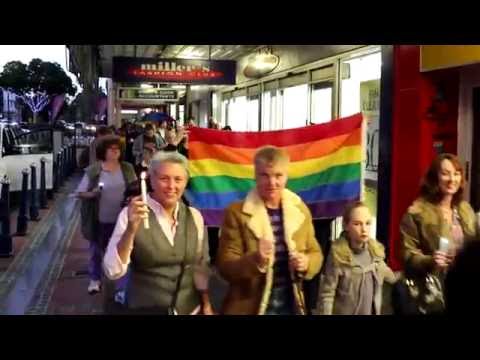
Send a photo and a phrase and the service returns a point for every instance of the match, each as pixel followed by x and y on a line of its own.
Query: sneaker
pixel 120 297
pixel 94 287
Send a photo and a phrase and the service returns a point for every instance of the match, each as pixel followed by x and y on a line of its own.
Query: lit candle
pixel 143 187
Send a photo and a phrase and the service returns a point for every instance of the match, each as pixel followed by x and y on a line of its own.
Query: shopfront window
pixel 173 111
pixel 181 113
pixel 295 106
pixel 271 114
pixel 360 92
pixel 266 110
pixel 252 115
pixel 238 113
pixel 322 102
pixel 224 119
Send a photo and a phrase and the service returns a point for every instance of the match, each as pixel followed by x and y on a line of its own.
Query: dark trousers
pixel 311 287
pixel 97 250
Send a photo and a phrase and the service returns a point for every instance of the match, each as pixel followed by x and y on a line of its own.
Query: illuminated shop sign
pixel 150 94
pixel 186 71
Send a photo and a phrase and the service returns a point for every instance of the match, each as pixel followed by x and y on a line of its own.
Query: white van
pixel 20 148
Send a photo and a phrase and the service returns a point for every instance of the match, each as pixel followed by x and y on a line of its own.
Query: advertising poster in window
pixel 370 106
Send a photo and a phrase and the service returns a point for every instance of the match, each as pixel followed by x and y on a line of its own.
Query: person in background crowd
pixel 162 280
pixel 190 122
pixel 212 124
pixel 149 150
pixel 177 141
pixel 267 244
pixel 99 134
pixel 162 127
pixel 355 270
pixel 148 136
pixel 101 191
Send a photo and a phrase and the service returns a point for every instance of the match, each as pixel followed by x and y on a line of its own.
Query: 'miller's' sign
pixel 187 71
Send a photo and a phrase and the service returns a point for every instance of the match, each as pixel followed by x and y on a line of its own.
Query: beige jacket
pixel 244 224
pixel 342 280
pixel 421 228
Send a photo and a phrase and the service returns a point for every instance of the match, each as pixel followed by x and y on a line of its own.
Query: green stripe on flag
pixel 222 184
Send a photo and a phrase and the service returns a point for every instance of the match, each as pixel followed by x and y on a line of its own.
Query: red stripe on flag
pixel 278 137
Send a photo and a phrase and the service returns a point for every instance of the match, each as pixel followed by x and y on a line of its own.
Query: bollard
pixel 69 161
pixel 65 162
pixel 33 193
pixel 6 247
pixel 56 178
pixel 65 165
pixel 22 213
pixel 74 153
pixel 54 175
pixel 72 159
pixel 43 184
pixel 60 170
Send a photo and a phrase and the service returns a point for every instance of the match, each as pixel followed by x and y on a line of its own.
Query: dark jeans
pixel 97 251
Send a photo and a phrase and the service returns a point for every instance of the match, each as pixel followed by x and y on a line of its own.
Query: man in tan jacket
pixel 267 244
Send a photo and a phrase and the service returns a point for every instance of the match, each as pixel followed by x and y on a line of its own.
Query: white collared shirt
pixel 113 266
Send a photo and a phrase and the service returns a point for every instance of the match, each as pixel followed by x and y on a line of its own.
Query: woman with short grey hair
pixel 168 157
pixel 169 259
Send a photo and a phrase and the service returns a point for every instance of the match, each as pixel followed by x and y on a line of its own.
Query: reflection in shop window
pixel 356 71
pixel 360 92
pixel 295 106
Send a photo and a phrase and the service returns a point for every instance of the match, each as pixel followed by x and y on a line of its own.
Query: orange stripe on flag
pixel 236 155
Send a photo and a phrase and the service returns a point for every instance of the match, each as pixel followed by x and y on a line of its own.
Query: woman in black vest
pixel 168 259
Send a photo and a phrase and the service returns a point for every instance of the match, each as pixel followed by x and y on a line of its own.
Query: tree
pixel 36 83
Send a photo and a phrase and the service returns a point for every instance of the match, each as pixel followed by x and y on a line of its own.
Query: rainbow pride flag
pixel 325 166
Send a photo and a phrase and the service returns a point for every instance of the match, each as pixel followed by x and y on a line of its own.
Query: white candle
pixel 143 187
pixel 443 244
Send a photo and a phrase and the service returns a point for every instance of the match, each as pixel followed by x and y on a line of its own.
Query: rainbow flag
pixel 325 166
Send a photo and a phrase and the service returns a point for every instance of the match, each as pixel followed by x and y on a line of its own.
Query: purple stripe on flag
pixel 329 209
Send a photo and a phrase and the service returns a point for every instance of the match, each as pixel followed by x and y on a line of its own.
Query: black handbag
pixel 418 296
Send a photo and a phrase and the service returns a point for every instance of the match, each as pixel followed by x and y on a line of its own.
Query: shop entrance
pixel 475 166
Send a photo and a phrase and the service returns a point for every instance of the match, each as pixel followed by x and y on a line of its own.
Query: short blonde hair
pixel 271 155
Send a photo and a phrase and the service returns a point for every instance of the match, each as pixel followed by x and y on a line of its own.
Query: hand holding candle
pixel 143 187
